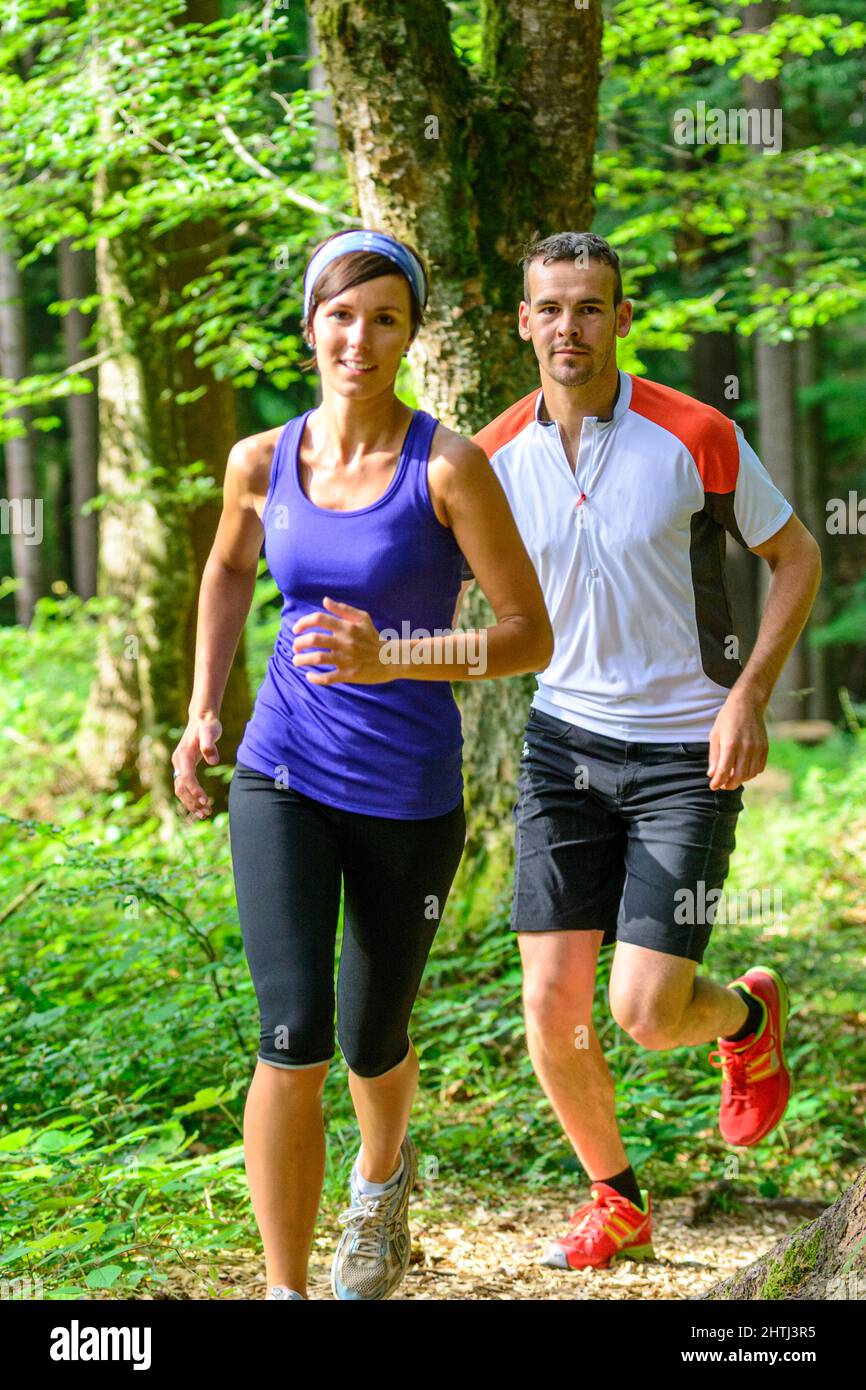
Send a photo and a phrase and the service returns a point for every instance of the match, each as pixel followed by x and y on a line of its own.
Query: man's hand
pixel 738 742
pixel 352 646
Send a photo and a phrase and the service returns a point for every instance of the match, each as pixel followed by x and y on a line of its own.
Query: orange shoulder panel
pixel 504 428
pixel 708 435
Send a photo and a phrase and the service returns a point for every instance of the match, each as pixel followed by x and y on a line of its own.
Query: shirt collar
pixel 620 405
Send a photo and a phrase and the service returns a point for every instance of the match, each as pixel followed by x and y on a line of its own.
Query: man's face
pixel 571 321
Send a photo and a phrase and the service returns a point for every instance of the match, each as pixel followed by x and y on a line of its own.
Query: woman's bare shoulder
pixel 454 463
pixel 250 463
pixel 452 450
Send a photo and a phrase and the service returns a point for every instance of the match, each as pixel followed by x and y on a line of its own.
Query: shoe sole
pixel 784 1008
pixel 633 1252
pixel 413 1173
pixel 637 1253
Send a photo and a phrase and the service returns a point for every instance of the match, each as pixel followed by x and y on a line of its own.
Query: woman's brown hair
pixel 354 268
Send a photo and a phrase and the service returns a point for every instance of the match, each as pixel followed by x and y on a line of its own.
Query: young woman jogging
pixel 349 772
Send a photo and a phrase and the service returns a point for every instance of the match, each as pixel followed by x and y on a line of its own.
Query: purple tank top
pixel 384 750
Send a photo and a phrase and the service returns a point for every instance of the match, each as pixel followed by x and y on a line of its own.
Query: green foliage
pixel 184 123
pixel 662 202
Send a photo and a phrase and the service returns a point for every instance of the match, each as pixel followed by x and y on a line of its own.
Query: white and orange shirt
pixel 630 552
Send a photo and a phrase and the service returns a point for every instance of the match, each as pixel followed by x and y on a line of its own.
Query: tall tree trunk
pixel 802 131
pixel 813 498
pixel 326 157
pixel 23 506
pixel 468 168
pixel 822 1259
pixel 76 281
pixel 775 382
pixel 327 154
pixel 150 559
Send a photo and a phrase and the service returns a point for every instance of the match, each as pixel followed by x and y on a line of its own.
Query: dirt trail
pixel 481 1253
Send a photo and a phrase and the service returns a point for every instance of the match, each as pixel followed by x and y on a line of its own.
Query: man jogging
pixel 644 725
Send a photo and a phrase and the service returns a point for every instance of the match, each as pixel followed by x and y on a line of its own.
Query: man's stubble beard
pixel 592 368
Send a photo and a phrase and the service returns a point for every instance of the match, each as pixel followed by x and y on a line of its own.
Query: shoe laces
pixel 593 1214
pixel 737 1070
pixel 370 1218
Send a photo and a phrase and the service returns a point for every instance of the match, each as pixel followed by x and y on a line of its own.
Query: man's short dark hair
pixel 572 246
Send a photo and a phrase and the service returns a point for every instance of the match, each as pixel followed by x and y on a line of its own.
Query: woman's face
pixel 361 334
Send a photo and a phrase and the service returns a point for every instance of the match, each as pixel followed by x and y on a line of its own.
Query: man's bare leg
pixel 558 984
pixel 661 1002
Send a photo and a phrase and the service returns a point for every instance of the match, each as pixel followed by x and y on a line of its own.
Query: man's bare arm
pixel 738 741
pixel 794 557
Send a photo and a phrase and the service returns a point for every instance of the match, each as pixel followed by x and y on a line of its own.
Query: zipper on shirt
pixel 584 528
pixel 582 518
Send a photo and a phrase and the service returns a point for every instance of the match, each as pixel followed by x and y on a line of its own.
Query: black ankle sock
pixel 625 1183
pixel 755 1018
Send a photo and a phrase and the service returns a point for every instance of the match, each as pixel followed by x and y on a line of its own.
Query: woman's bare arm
pixel 226 592
pixel 228 580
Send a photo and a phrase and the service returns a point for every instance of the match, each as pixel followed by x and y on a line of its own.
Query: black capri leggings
pixel 289 854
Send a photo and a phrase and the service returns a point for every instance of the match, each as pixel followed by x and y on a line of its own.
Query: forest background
pixel 164 172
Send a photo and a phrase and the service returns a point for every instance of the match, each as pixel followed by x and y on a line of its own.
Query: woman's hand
pixel 199 741
pixel 354 647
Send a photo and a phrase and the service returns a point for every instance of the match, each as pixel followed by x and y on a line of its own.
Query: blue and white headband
pixel 360 240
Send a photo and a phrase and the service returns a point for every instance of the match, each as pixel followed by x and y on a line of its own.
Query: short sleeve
pixel 760 509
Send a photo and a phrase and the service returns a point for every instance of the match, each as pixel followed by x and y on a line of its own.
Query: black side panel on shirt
pixel 712 602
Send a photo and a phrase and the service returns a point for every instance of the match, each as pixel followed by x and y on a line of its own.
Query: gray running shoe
pixel 281 1291
pixel 373 1253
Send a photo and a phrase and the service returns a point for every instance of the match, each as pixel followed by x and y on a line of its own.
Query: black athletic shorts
pixel 290 856
pixel 625 838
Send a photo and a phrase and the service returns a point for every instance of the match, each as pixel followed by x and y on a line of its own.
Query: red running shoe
pixel 756 1083
pixel 608 1228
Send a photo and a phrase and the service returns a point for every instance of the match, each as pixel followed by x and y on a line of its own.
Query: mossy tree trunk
pixel 825 1258
pixel 150 558
pixel 468 166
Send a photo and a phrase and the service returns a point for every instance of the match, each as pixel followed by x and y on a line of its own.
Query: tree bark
pixel 825 1258
pixel 150 560
pixel 468 167
pixel 76 281
pixel 814 492
pixel 775 386
pixel 22 486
